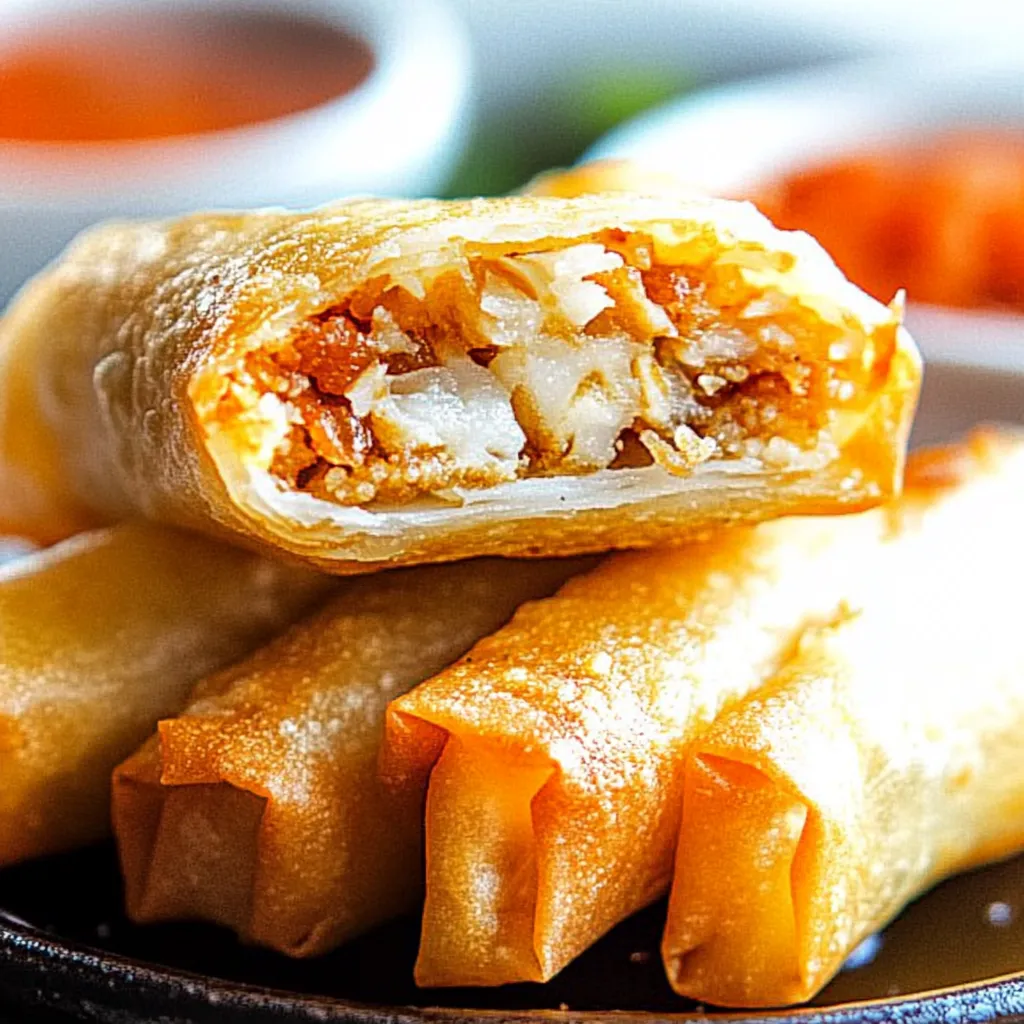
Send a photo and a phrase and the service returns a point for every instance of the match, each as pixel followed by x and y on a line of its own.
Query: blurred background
pixel 892 129
pixel 552 77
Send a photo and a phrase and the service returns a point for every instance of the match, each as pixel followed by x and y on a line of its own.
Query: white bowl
pixel 730 139
pixel 399 132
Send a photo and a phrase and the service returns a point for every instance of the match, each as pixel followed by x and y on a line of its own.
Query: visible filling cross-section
pixel 562 361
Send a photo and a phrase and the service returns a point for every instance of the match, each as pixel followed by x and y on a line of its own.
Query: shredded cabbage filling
pixel 561 361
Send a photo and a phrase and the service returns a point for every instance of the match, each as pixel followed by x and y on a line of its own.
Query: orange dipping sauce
pixel 138 75
pixel 943 219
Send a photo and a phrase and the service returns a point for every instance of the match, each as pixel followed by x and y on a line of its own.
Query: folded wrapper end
pixel 178 837
pixel 581 710
pixel 136 798
pixel 736 867
pixel 789 802
pixel 883 756
pixel 101 637
pixel 479 825
pixel 203 839
pixel 481 854
pixel 261 806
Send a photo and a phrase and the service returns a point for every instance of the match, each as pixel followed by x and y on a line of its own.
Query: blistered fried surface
pixel 99 638
pixel 580 711
pixel 259 807
pixel 583 706
pixel 124 384
pixel 882 757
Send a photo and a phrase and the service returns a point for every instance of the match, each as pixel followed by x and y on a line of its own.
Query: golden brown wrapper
pixel 260 807
pixel 99 638
pixel 884 756
pixel 554 750
pixel 599 176
pixel 128 383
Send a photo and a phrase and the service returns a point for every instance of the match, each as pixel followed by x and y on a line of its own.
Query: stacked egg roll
pixel 553 751
pixel 884 756
pixel 613 175
pixel 259 806
pixel 99 638
pixel 387 382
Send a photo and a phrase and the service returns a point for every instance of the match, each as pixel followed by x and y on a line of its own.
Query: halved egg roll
pixel 260 807
pixel 883 757
pixel 387 382
pixel 99 638
pixel 554 749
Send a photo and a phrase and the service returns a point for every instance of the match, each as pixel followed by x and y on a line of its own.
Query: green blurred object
pixel 558 125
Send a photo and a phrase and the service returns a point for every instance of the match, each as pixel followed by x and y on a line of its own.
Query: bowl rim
pixel 793 116
pixel 403 36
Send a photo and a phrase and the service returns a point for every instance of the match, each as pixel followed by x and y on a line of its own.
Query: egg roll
pixel 884 756
pixel 611 175
pixel 260 807
pixel 395 382
pixel 100 637
pixel 553 751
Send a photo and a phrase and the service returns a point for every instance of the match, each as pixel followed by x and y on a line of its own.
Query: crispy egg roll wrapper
pixel 102 636
pixel 612 175
pixel 884 756
pixel 554 750
pixel 260 806
pixel 387 382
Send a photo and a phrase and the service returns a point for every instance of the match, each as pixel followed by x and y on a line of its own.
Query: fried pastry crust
pixel 259 806
pixel 100 637
pixel 882 757
pixel 395 382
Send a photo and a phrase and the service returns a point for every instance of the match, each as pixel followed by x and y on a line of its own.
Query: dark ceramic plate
pixel 67 953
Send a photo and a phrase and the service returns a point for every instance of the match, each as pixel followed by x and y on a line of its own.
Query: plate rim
pixel 34 950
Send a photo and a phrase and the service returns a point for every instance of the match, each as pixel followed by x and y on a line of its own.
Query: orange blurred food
pixel 138 75
pixel 611 176
pixel 943 219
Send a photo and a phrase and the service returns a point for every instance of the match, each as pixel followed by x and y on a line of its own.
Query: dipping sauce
pixel 943 218
pixel 145 75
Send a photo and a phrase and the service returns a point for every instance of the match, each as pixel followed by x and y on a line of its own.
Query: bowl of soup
pixel 111 109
